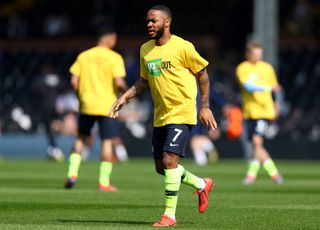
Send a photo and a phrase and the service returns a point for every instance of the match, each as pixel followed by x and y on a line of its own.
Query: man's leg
pixel 260 154
pixel 190 179
pixel 255 130
pixel 169 143
pixel 203 186
pixel 258 157
pixel 107 130
pixel 168 167
pixel 198 152
pixel 85 123
pixel 106 166
pixel 174 175
pixel 53 151
pixel 272 170
pixel 172 183
pixel 119 149
pixel 246 143
pixel 267 162
pixel 210 149
pixel 74 162
pixel 87 147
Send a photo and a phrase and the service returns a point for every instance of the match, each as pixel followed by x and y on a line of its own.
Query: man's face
pixel 155 24
pixel 255 55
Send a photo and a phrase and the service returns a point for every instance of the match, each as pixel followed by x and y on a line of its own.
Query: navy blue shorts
pixel 257 127
pixel 108 127
pixel 171 138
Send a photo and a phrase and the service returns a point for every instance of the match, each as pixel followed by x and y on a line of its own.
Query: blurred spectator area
pixel 299 75
pixel 21 61
pixel 298 72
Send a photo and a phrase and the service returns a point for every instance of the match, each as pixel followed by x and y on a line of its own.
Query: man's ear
pixel 167 22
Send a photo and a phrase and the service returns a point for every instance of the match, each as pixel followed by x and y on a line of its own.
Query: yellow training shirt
pixel 257 105
pixel 170 70
pixel 97 68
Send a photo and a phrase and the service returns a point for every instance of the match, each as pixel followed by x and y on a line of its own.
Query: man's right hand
pixel 115 108
pixel 137 88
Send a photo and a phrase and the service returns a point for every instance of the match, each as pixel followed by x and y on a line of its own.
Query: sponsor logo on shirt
pixel 154 66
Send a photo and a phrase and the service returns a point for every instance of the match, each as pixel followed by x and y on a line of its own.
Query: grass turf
pixel 32 197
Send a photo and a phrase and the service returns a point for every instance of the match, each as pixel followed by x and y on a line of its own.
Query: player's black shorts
pixel 171 138
pixel 257 126
pixel 108 127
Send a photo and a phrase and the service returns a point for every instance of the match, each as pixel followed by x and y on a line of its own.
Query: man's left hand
pixel 207 118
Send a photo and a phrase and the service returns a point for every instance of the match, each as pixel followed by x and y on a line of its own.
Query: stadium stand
pixel 299 74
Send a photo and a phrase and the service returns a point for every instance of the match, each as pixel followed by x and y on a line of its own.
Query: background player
pixel 257 81
pixel 96 75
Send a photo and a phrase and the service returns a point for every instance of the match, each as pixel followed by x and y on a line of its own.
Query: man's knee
pixel 170 160
pixel 79 142
pixel 257 140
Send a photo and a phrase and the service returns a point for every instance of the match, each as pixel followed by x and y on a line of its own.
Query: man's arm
pixel 277 95
pixel 74 82
pixel 121 84
pixel 204 86
pixel 252 87
pixel 136 89
pixel 206 116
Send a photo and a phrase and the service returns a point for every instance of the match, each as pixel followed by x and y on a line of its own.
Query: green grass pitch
pixel 32 197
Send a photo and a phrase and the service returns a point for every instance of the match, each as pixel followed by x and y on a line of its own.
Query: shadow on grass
pixel 274 190
pixel 105 222
pixel 128 222
pixel 69 206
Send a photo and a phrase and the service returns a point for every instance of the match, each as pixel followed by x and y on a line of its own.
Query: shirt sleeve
pixel 75 68
pixel 251 87
pixel 119 69
pixel 143 70
pixel 247 82
pixel 242 74
pixel 192 59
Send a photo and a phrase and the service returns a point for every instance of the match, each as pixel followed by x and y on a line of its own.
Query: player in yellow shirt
pixel 97 74
pixel 170 67
pixel 258 81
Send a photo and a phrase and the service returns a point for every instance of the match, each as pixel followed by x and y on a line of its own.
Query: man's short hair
pixel 164 9
pixel 252 45
pixel 105 30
